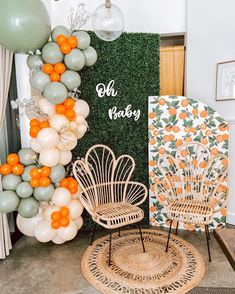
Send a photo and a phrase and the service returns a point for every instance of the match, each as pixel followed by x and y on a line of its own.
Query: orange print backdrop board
pixel 172 121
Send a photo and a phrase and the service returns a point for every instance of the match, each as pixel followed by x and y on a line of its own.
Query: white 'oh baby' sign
pixel 115 113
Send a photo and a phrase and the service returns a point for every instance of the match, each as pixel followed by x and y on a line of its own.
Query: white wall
pixel 211 39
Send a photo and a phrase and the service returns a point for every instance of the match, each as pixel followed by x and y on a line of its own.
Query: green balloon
pixel 51 53
pixel 71 79
pixel 34 61
pixel 57 173
pixel 9 201
pixel 44 193
pixel 24 190
pixel 84 39
pixel 28 207
pixel 10 182
pixel 39 80
pixel 75 60
pixel 59 30
pixel 25 25
pixel 26 174
pixel 90 56
pixel 55 92
pixel 27 156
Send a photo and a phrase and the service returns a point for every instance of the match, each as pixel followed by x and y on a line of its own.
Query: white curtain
pixel 5 75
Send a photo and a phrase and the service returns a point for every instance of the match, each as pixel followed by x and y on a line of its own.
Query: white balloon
pixel 65 157
pixel 68 141
pixel 34 144
pixel 82 129
pixel 75 208
pixel 61 197
pixel 78 222
pixel 44 232
pixel 59 122
pixel 46 107
pixel 79 135
pixel 48 210
pixel 81 108
pixel 49 157
pixel 27 225
pixel 57 240
pixel 48 138
pixel 73 125
pixel 80 119
pixel 69 232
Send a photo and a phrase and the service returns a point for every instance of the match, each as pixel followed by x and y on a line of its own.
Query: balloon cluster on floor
pixel 34 180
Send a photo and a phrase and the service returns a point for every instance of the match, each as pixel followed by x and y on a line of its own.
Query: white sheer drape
pixel 5 75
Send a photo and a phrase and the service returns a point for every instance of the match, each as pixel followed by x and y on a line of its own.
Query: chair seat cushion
pixel 116 215
pixel 190 211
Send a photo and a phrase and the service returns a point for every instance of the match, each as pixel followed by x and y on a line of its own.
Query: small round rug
pixel 134 272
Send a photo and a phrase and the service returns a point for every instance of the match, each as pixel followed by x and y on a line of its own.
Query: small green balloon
pixel 27 156
pixel 59 30
pixel 57 173
pixel 26 174
pixel 90 56
pixel 28 207
pixel 10 182
pixel 34 61
pixel 24 190
pixel 44 193
pixel 83 38
pixel 71 79
pixel 55 92
pixel 9 201
pixel 75 60
pixel 39 80
pixel 51 53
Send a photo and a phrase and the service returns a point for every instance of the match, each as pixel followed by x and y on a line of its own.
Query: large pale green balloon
pixel 44 193
pixel 55 92
pixel 28 207
pixel 75 60
pixel 24 25
pixel 39 80
pixel 24 190
pixel 90 56
pixel 71 79
pixel 59 30
pixel 34 61
pixel 26 174
pixel 9 201
pixel 27 156
pixel 10 182
pixel 84 40
pixel 51 53
pixel 57 173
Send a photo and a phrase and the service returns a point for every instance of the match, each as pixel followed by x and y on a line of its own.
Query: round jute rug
pixel 135 272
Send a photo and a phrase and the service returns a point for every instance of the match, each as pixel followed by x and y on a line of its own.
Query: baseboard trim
pixel 230 219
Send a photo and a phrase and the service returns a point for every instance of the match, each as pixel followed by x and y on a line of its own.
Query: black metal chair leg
pixel 93 234
pixel 119 232
pixel 176 230
pixel 168 238
pixel 141 237
pixel 207 241
pixel 110 246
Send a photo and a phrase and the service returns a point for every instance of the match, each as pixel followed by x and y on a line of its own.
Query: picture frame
pixel 225 81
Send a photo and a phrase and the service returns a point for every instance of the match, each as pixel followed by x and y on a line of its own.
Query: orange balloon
pixel 55 224
pixel 35 173
pixel 60 68
pixel 12 159
pixel 60 109
pixel 18 169
pixel 64 221
pixel 48 68
pixel 44 124
pixel 44 181
pixel 45 171
pixel 65 48
pixel 6 169
pixel 34 183
pixel 69 103
pixel 34 122
pixel 72 185
pixel 73 42
pixel 56 216
pixel 73 190
pixel 55 77
pixel 64 211
pixel 60 39
pixel 70 114
pixel 34 130
pixel 64 183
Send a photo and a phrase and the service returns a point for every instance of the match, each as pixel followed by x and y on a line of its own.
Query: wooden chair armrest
pixel 136 193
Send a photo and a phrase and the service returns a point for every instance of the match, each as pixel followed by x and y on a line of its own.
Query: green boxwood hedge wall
pixel 132 61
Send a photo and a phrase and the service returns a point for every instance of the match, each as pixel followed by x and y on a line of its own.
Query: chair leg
pixel 176 230
pixel 93 234
pixel 119 232
pixel 110 246
pixel 207 241
pixel 141 237
pixel 168 238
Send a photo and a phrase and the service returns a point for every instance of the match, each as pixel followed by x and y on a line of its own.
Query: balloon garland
pixel 34 180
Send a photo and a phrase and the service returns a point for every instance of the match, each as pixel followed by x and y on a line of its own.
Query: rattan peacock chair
pixel 107 192
pixel 192 186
